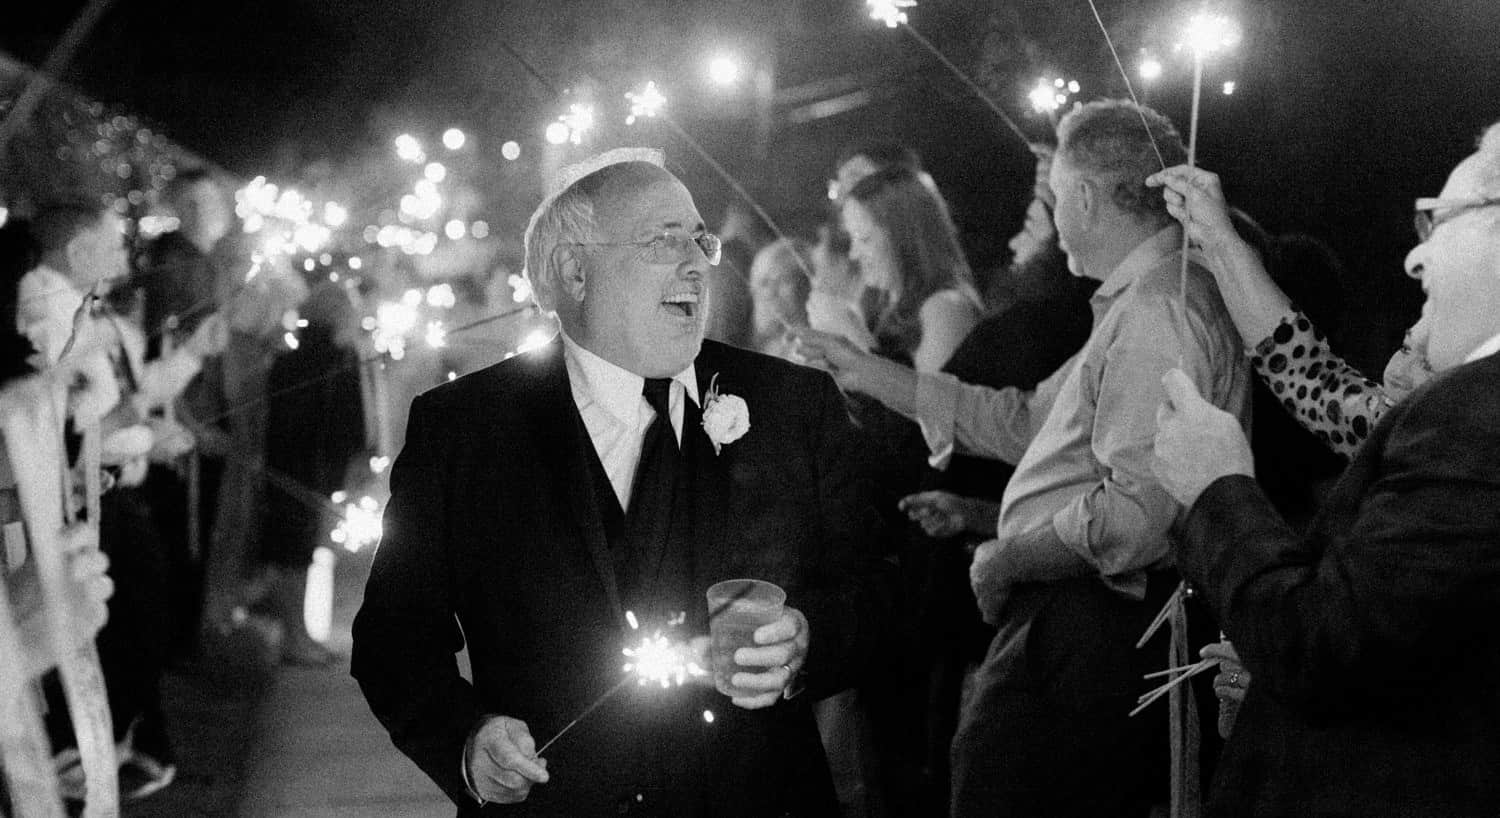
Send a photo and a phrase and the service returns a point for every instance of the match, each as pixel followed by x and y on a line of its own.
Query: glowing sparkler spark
pixel 1050 95
pixel 520 288
pixel 648 103
pixel 1207 33
pixel 360 526
pixel 659 660
pixel 890 12
pixel 393 322
pixel 579 120
pixel 436 336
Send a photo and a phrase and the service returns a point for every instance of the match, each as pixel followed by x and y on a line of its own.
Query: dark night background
pixel 1345 109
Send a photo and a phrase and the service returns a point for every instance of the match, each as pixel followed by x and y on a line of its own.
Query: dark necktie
pixel 649 516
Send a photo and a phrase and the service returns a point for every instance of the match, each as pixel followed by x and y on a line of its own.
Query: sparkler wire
pixel 1130 88
pixel 970 84
pixel 608 694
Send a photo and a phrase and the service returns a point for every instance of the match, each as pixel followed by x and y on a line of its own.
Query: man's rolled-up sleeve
pixel 406 635
pixel 997 424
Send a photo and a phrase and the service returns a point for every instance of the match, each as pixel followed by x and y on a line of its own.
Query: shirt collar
pixel 1139 261
pixel 1484 350
pixel 615 389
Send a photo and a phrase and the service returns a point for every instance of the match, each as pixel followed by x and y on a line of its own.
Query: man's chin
pixel 673 355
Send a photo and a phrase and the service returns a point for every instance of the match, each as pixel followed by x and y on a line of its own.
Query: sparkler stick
pixel 620 685
pixel 1129 88
pixel 657 660
pixel 1150 698
pixel 968 83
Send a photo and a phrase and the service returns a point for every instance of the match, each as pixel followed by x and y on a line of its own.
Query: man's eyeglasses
pixel 670 248
pixel 1427 221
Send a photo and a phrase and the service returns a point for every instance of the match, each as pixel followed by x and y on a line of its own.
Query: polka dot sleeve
pixel 1325 394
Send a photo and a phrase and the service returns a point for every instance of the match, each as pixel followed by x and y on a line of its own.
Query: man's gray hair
pixel 567 215
pixel 1108 141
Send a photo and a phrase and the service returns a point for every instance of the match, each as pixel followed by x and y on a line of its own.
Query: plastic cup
pixel 736 608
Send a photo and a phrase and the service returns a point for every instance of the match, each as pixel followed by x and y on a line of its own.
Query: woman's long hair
pixel 928 257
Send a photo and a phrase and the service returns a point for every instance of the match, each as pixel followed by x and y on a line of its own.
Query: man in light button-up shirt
pixel 1084 519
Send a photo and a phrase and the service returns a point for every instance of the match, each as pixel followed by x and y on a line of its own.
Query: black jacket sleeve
pixel 406 634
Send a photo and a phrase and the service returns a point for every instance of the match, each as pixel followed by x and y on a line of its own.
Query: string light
pixel 453 139
pixel 1150 69
pixel 511 151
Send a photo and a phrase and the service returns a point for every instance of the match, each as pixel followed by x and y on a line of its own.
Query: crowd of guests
pixel 1345 570
pixel 220 447
pixel 1139 418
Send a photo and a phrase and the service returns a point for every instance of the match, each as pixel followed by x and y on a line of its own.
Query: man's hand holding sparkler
pixel 781 648
pixel 501 763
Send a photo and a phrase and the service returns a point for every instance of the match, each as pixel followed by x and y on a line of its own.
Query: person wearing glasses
pixel 1372 636
pixel 545 505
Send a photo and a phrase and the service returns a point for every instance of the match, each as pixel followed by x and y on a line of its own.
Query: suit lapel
pixel 573 474
pixel 710 476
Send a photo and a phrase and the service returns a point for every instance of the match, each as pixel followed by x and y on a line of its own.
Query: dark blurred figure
pixel 315 429
pixel 179 281
pixel 180 272
pixel 729 305
pixel 1291 464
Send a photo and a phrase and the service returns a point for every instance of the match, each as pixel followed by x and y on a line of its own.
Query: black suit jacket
pixel 1372 641
pixel 493 538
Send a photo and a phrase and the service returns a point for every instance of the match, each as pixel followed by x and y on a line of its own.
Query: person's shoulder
pixel 1455 417
pixel 765 376
pixel 516 379
pixel 1467 394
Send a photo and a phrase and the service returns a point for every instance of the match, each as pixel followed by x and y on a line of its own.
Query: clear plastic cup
pixel 736 608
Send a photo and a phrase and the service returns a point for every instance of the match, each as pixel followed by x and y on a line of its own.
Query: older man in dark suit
pixel 538 500
pixel 1372 639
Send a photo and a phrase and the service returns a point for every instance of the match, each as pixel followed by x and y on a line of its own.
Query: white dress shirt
pixel 616 414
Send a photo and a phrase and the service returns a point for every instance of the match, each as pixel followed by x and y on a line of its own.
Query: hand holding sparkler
pixel 501 761
pixel 1195 197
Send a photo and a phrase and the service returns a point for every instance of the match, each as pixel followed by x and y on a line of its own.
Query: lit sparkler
pixel 1208 33
pixel 1050 95
pixel 361 523
pixel 657 660
pixel 579 120
pixel 647 103
pixel 890 12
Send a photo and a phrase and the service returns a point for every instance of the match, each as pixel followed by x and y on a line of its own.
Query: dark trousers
pixel 1047 731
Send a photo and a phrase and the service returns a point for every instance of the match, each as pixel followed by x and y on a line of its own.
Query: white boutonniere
pixel 726 418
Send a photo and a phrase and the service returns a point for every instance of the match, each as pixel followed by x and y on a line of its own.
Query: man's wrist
pixel 466 754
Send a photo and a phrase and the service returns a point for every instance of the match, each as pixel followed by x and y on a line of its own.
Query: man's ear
pixel 1088 196
pixel 570 272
